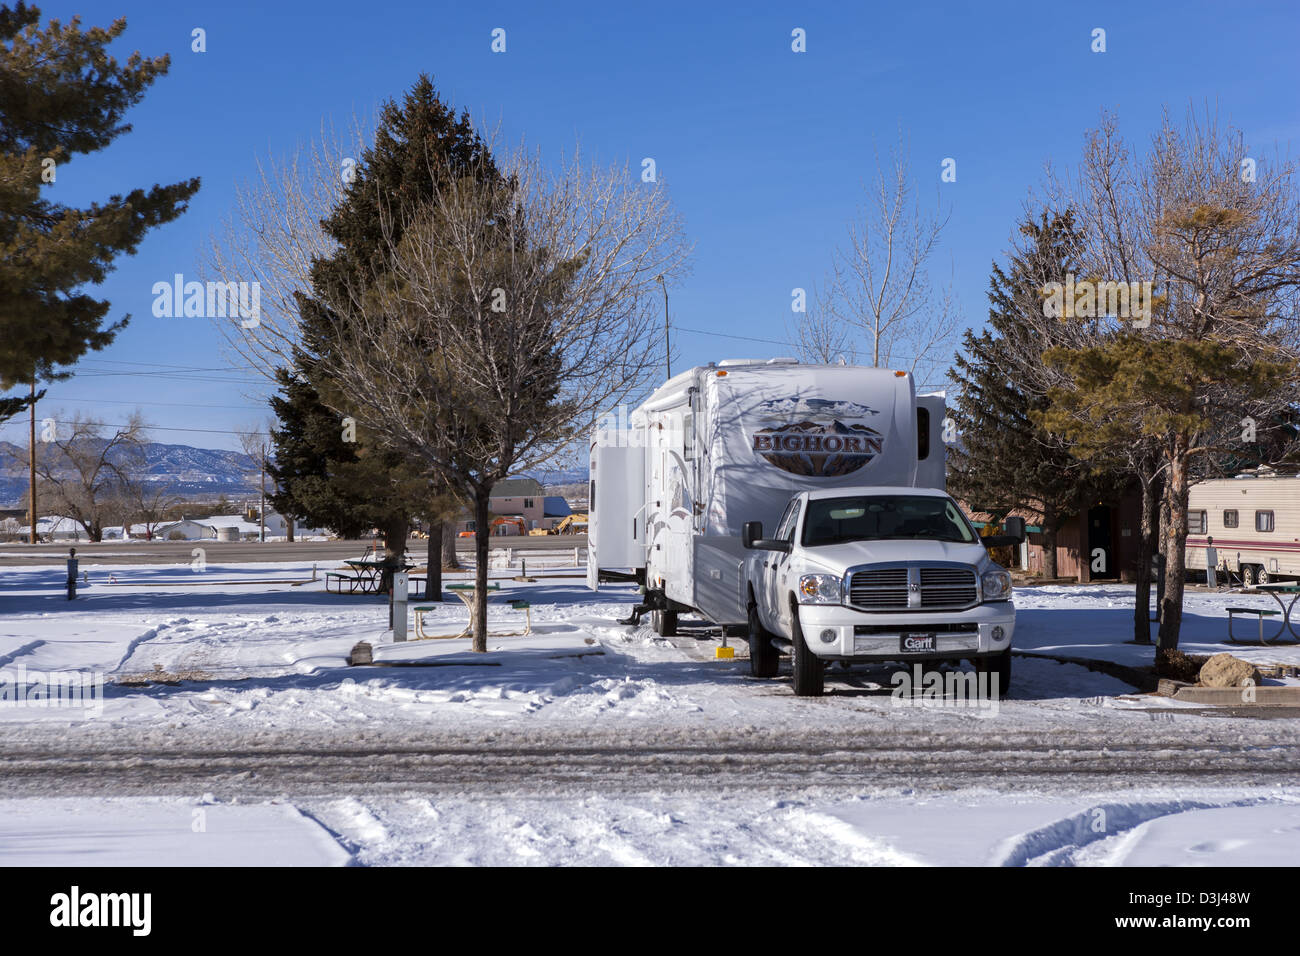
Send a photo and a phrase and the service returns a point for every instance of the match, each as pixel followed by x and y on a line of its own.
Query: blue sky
pixel 766 150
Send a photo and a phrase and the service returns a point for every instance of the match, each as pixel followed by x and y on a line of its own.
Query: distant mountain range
pixel 576 475
pixel 190 472
pixel 199 472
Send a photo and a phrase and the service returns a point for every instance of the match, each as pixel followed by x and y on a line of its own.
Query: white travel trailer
pixel 679 489
pixel 1254 523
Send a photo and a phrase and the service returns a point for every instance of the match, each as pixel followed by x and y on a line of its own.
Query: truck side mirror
pixel 751 532
pixel 1013 533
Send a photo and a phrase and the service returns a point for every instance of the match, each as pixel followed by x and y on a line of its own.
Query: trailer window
pixel 688 436
pixel 1196 522
pixel 1263 521
pixel 922 434
pixel 1230 518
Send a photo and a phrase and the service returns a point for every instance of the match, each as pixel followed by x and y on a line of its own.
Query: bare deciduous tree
pixel 256 444
pixel 84 476
pixel 510 315
pixel 820 335
pixel 148 503
pixel 882 285
pixel 272 237
pixel 1219 238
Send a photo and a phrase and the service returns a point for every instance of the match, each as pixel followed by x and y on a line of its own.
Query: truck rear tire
pixel 664 623
pixel 809 671
pixel 1248 575
pixel 999 664
pixel 764 658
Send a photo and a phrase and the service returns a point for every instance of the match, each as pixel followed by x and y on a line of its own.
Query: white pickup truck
pixel 863 574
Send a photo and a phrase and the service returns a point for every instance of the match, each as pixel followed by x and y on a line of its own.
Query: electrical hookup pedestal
pixel 72 573
pixel 397 596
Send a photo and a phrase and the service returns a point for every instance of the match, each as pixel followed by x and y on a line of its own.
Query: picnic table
pixel 466 594
pixel 1274 591
pixel 366 577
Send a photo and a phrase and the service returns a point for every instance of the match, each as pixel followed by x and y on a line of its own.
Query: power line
pixel 122 401
pixel 177 377
pixel 750 338
pixel 232 368
pixel 745 338
pixel 147 428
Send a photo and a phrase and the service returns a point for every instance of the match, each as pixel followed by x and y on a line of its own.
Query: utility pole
pixel 262 511
pixel 668 351
pixel 31 462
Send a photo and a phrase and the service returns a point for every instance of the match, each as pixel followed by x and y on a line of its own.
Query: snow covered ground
pixel 241 652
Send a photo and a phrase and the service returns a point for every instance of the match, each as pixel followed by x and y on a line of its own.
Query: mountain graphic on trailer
pixel 813 440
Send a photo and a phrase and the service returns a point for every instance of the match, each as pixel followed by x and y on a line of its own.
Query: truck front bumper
pixel 837 633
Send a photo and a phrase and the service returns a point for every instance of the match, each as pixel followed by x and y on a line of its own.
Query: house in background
pixel 187 529
pixel 523 498
pixel 1099 542
pixel 55 528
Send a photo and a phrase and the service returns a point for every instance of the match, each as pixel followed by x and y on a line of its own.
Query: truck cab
pixel 870 574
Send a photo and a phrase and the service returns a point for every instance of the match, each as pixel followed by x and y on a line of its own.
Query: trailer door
pixel 616 510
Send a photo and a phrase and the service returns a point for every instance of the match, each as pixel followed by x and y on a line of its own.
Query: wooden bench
pixel 1263 612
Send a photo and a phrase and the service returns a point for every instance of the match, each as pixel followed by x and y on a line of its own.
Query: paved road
pixel 572 762
pixel 238 552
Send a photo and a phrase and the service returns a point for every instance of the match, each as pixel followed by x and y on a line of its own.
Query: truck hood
pixel 837 558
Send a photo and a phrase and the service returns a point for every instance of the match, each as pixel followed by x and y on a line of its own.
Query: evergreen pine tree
pixel 1002 459
pixel 61 95
pixel 348 485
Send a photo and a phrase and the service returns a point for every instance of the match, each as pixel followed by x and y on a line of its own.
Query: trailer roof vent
pixel 783 360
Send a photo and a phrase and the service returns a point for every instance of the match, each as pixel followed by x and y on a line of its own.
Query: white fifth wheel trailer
pixel 1255 524
pixel 680 492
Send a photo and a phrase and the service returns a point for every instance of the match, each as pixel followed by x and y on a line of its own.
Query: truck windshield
pixel 884 517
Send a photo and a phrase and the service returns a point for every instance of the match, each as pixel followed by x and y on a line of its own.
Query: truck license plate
pixel 915 642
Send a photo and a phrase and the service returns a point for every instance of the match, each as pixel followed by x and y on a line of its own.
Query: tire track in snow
pixel 501 768
pixel 19 652
pixel 1058 843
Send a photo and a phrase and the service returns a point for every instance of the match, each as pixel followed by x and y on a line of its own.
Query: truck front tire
pixel 764 658
pixel 999 664
pixel 809 671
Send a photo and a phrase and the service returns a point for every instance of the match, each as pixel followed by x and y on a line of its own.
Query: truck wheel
pixel 1262 576
pixel 764 658
pixel 664 623
pixel 809 671
pixel 999 664
pixel 1248 575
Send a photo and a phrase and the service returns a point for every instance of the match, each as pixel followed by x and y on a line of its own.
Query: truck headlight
pixel 819 589
pixel 997 585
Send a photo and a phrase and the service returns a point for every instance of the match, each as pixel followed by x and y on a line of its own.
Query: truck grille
pixel 880 588
pixel 947 587
pixel 913 587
